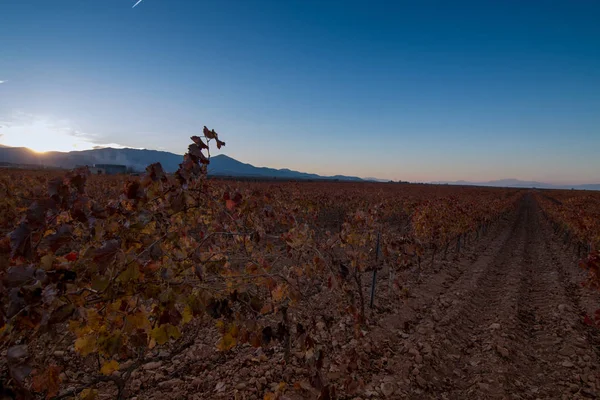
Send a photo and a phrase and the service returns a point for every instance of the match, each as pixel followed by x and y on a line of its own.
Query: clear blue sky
pixel 417 90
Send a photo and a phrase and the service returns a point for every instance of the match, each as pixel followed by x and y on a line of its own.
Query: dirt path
pixel 510 325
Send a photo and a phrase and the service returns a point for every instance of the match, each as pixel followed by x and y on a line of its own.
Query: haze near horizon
pixel 433 91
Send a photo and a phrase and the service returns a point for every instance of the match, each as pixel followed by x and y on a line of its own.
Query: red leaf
pixel 155 172
pixel 230 204
pixel 48 382
pixel 72 256
pixel 210 134
pixel 199 142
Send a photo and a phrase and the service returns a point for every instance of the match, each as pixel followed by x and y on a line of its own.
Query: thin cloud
pixel 1 82
pixel 138 2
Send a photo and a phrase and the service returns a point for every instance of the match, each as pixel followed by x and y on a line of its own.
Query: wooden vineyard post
pixel 375 270
pixel 390 280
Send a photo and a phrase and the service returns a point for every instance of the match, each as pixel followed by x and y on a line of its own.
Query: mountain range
pixel 220 165
pixel 138 159
pixel 516 183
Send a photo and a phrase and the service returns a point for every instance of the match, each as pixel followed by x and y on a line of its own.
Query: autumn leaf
pixel 137 321
pixel 160 335
pixel 86 345
pixel 47 261
pixel 155 172
pixel 100 283
pixel 107 251
pixel 48 381
pixel 173 331
pixel 72 256
pixel 230 204
pixel 209 134
pixel 20 240
pixel 63 235
pixel 88 394
pixel 254 340
pixel 227 342
pixel 132 273
pixel 187 314
pixel 199 142
pixel 110 343
pixel 109 367
pixel 279 292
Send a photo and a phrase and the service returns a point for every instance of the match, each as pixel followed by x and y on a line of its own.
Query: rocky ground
pixel 503 321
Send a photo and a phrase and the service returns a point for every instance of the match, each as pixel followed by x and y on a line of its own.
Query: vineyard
pixel 181 286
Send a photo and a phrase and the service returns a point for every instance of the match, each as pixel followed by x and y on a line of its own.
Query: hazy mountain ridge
pixel 138 159
pixel 521 184
pixel 221 165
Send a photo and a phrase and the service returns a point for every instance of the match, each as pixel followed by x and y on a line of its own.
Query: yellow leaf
pixel 187 314
pixel 234 331
pixel 132 273
pixel 88 394
pixel 149 228
pixel 136 321
pixel 173 331
pixel 160 335
pixel 270 396
pixel 164 332
pixel 226 343
pixel 100 283
pixel 94 320
pixel 85 345
pixel 109 367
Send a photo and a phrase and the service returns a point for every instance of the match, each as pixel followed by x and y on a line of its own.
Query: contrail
pixel 138 2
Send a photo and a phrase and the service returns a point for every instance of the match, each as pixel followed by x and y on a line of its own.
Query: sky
pixel 409 90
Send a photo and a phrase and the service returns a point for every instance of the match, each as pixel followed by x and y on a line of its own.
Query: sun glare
pixel 42 136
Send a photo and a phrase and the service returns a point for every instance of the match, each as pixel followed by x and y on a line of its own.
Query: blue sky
pixel 417 91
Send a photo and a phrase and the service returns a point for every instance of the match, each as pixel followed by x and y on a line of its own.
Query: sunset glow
pixel 43 135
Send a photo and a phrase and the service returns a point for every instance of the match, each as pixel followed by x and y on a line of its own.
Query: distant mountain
pixel 371 179
pixel 220 165
pixel 516 183
pixel 224 165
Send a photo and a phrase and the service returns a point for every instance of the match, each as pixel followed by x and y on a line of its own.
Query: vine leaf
pixel 109 367
pixel 85 345
pixel 162 333
pixel 88 394
pixel 227 342
pixel 20 241
pixel 48 381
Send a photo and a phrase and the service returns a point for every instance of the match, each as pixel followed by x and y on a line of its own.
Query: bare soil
pixel 508 327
